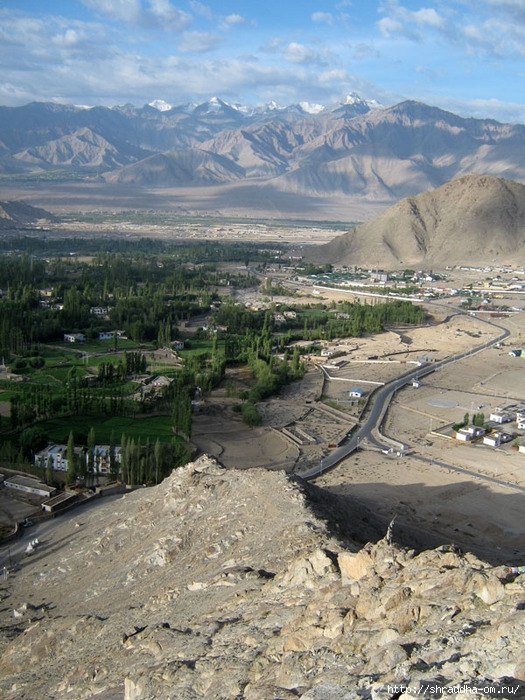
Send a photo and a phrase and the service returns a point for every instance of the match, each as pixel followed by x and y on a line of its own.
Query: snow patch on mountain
pixel 160 105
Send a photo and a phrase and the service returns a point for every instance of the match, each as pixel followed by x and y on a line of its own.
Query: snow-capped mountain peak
pixel 160 105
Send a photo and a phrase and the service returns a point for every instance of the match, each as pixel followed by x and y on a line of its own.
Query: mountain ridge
pixel 20 215
pixel 471 220
pixel 379 155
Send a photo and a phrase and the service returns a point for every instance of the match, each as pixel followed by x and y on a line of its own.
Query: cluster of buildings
pixel 56 457
pixel 495 437
pixel 103 335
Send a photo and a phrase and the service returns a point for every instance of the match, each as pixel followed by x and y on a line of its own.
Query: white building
pixel 59 462
pixel 469 433
pixel 493 439
pixel 102 459
pixel 29 485
pixel 501 415
pixel 356 393
pixel 56 453
pixel 74 337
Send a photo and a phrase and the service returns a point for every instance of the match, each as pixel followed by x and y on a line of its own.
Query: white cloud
pixel 234 20
pixel 363 51
pixel 430 18
pixel 300 54
pixel 198 42
pixel 486 28
pixel 157 13
pixel 169 17
pixel 390 27
pixel 122 10
pixel 202 10
pixel 514 8
pixel 407 23
pixel 323 17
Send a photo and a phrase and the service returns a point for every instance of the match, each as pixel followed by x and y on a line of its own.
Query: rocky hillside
pixel 382 155
pixel 15 215
pixel 475 220
pixel 236 584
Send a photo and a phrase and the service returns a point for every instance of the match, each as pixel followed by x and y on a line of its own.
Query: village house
pixel 55 453
pixel 356 393
pixel 501 415
pixel 520 420
pixel 29 485
pixel 102 459
pixel 496 439
pixel 160 381
pixel 99 310
pixel 74 337
pixel 59 462
pixel 110 335
pixel 470 433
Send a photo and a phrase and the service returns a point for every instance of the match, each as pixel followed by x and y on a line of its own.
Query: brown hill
pixel 189 167
pixel 14 215
pixel 82 148
pixel 474 220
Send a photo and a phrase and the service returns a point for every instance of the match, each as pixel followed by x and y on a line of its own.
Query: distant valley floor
pixel 245 200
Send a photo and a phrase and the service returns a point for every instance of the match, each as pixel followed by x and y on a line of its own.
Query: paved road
pixel 368 434
pixel 471 474
pixel 12 553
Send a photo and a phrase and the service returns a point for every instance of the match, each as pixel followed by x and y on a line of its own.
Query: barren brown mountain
pixel 475 220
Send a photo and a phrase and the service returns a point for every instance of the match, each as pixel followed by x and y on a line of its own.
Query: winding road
pixel 369 433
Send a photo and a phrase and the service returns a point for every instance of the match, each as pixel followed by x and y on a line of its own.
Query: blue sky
pixel 467 56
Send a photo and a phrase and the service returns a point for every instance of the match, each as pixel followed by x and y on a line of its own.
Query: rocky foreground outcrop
pixel 228 584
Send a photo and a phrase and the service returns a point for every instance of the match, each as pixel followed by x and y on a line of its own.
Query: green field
pixel 151 428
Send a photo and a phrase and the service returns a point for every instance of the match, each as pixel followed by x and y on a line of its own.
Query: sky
pixel 465 56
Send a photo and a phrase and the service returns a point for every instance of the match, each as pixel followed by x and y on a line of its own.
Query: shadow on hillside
pixel 427 517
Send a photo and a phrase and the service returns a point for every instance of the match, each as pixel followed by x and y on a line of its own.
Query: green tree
pixel 49 471
pixel 71 474
pixel 113 464
pixel 250 414
pixel 92 441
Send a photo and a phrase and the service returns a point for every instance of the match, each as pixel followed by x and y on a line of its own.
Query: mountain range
pixel 354 149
